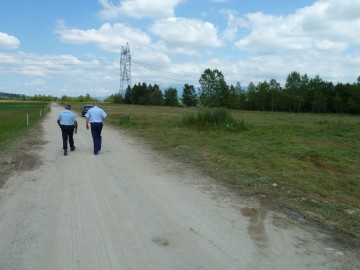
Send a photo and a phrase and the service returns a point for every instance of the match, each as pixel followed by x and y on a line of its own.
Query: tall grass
pixel 215 118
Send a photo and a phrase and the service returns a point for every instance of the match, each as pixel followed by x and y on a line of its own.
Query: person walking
pixel 95 116
pixel 68 124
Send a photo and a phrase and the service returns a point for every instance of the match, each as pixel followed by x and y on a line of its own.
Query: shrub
pixel 216 118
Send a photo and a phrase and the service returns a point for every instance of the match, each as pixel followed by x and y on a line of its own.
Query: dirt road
pixel 129 208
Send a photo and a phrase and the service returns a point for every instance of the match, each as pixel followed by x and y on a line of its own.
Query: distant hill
pixel 9 95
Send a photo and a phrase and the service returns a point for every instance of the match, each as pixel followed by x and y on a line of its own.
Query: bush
pixel 216 118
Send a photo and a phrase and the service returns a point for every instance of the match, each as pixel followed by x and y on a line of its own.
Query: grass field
pixel 303 163
pixel 14 119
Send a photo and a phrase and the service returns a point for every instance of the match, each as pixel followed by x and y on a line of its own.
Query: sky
pixel 73 47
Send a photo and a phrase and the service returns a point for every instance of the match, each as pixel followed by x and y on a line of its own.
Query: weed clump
pixel 215 118
pixel 125 121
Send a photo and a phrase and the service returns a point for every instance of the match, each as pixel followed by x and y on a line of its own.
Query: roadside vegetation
pixel 17 122
pixel 18 117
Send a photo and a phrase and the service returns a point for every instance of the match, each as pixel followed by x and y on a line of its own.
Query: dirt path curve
pixel 129 208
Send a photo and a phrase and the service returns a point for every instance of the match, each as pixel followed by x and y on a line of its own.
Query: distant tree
pixel 292 87
pixel 302 96
pixel 144 98
pixel 214 91
pixel 338 104
pixel 329 95
pixel 171 97
pixel 128 98
pixel 156 97
pixel 139 92
pixel 80 98
pixel 65 98
pixel 263 95
pixel 115 98
pixel 317 92
pixel 4 95
pixel 354 100
pixel 232 98
pixel 251 97
pixel 189 97
pixel 240 98
pixel 275 90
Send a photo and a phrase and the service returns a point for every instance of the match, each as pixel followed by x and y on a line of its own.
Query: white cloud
pixel 8 42
pixel 138 8
pixel 234 24
pixel 150 56
pixel 185 36
pixel 35 82
pixel 325 25
pixel 109 37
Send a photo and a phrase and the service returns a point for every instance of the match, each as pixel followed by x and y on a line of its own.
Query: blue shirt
pixel 95 114
pixel 67 118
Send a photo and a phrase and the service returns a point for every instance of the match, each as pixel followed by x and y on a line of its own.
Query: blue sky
pixel 67 47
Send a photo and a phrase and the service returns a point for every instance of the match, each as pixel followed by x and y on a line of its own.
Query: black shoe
pixel 72 148
pixel 65 152
pixel 95 153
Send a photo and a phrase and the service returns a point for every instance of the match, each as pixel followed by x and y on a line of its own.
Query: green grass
pixel 313 159
pixel 13 119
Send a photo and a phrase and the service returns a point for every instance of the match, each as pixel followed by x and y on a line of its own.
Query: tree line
pixel 144 94
pixel 47 98
pixel 299 94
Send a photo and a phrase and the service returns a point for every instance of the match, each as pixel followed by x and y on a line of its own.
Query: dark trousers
pixel 67 135
pixel 96 129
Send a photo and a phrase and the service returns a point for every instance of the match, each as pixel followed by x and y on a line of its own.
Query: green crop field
pixel 17 117
pixel 300 163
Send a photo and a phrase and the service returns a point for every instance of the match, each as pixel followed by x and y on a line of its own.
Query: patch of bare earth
pixel 21 154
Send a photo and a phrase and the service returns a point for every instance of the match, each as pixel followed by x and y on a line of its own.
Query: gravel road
pixel 131 208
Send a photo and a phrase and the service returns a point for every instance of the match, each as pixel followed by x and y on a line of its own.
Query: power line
pixel 56 59
pixel 100 64
pixel 136 63
pixel 45 68
pixel 173 79
pixel 160 68
pixel 165 71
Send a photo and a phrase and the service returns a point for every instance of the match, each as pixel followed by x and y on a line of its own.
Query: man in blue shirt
pixel 68 124
pixel 95 116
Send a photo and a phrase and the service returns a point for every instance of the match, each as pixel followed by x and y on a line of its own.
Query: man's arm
pixel 87 123
pixel 58 121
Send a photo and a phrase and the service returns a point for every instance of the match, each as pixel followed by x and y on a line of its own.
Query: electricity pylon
pixel 125 69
